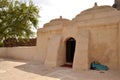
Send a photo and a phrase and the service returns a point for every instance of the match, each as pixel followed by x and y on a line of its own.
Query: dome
pixel 98 9
pixel 95 13
pixel 57 22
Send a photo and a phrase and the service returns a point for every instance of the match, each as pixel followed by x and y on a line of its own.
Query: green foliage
pixel 1 44
pixel 17 19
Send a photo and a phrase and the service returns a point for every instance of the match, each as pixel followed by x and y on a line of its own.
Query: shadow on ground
pixel 25 68
pixel 35 68
pixel 40 69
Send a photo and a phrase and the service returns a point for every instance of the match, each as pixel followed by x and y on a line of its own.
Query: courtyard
pixel 11 69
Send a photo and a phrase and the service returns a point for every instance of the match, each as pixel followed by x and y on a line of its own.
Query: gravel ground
pixel 23 70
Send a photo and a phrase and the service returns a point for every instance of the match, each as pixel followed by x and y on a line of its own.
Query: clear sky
pixel 51 9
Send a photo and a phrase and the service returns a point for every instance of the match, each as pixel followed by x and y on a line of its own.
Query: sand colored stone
pixel 96 32
pixel 22 70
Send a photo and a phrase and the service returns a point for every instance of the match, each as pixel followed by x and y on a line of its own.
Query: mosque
pixel 93 35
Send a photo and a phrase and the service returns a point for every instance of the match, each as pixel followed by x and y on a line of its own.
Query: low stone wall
pixel 3 52
pixel 23 53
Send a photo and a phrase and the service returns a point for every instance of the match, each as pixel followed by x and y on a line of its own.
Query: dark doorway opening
pixel 70 50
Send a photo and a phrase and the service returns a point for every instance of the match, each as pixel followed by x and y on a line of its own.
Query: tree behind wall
pixel 116 4
pixel 12 42
pixel 17 19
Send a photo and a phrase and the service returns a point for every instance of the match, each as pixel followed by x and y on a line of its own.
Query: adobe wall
pixel 81 60
pixel 42 43
pixel 103 45
pixel 22 53
pixel 119 45
pixel 47 43
pixel 25 53
pixel 3 52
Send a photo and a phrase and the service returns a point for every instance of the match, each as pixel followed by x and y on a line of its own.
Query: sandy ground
pixel 21 70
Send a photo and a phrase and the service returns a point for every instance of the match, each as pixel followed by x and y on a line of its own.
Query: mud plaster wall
pixel 42 43
pixel 103 46
pixel 60 56
pixel 53 49
pixel 43 40
pixel 3 52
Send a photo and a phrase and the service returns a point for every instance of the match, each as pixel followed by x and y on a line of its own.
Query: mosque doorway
pixel 70 50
